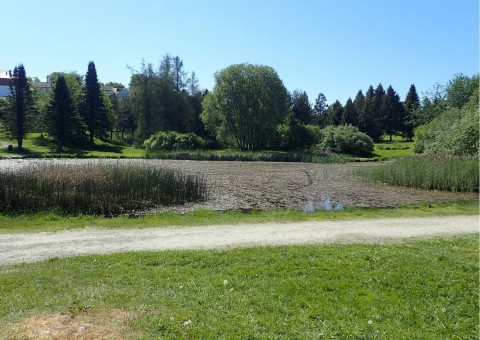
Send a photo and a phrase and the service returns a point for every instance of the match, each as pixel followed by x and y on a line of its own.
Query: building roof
pixel 4 74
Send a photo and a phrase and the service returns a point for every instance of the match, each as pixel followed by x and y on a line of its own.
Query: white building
pixel 4 82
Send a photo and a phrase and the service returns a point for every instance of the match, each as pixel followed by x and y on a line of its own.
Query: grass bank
pixel 421 289
pixel 54 222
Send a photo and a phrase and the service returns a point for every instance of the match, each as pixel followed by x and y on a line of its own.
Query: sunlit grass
pixel 414 290
pixel 54 222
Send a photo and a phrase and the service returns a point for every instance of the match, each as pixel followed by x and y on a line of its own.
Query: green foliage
pixel 95 188
pixel 297 136
pixel 245 106
pixel 346 139
pixel 253 156
pixel 453 132
pixel 62 121
pixel 170 140
pixel 413 290
pixel 431 173
pixel 160 101
pixel 94 109
pixel 19 106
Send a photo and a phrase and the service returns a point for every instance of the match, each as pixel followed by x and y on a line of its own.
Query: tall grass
pixel 248 156
pixel 428 172
pixel 95 188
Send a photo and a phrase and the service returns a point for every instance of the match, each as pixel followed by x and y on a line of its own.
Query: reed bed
pixel 428 172
pixel 103 189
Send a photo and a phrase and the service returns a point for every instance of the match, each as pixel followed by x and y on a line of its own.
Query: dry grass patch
pixel 109 324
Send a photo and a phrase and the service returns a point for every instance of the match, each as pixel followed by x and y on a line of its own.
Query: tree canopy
pixel 246 105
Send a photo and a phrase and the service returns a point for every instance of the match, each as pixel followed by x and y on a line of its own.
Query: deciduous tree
pixel 246 105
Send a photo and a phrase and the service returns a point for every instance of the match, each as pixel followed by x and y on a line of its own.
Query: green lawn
pixel 54 222
pixel 398 147
pixel 413 290
pixel 35 144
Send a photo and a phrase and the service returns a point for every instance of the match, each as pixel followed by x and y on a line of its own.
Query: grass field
pixel 398 147
pixel 414 290
pixel 54 222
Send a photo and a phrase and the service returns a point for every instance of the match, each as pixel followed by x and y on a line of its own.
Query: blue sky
pixel 332 46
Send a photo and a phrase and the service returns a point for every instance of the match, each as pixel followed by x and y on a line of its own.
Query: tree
pixel 369 116
pixel 61 119
pixel 320 110
pixel 126 119
pixel 301 109
pixel 19 105
pixel 359 105
pixel 350 113
pixel 459 89
pixel 335 114
pixel 246 105
pixel 393 113
pixel 411 105
pixel 94 111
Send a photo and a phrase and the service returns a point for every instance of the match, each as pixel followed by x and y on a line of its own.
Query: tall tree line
pixel 165 99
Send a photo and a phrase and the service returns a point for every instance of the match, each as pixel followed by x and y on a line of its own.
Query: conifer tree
pixel 411 104
pixel 19 105
pixel 320 110
pixel 94 111
pixel 62 120
pixel 350 113
pixel 392 119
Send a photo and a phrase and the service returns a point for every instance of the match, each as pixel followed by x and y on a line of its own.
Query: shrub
pixel 171 140
pixel 454 132
pixel 345 139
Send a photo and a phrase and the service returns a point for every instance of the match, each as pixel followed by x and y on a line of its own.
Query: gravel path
pixel 32 247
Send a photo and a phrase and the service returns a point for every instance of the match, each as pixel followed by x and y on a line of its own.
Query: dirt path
pixel 18 248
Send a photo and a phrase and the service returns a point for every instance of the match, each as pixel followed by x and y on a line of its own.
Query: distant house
pixel 45 87
pixel 4 83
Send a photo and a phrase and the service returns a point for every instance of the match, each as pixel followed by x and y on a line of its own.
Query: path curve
pixel 32 247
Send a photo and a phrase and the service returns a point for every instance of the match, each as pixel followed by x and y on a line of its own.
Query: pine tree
pixel 350 113
pixel 411 105
pixel 19 105
pixel 94 111
pixel 336 114
pixel 392 119
pixel 301 109
pixel 62 120
pixel 320 110
pixel 359 104
pixel 368 122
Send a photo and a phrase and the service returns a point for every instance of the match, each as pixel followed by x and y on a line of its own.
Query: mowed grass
pixel 414 290
pixel 55 222
pixel 396 148
pixel 45 147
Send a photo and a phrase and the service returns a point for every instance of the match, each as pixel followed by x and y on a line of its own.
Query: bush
pixel 346 139
pixel 453 133
pixel 171 140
